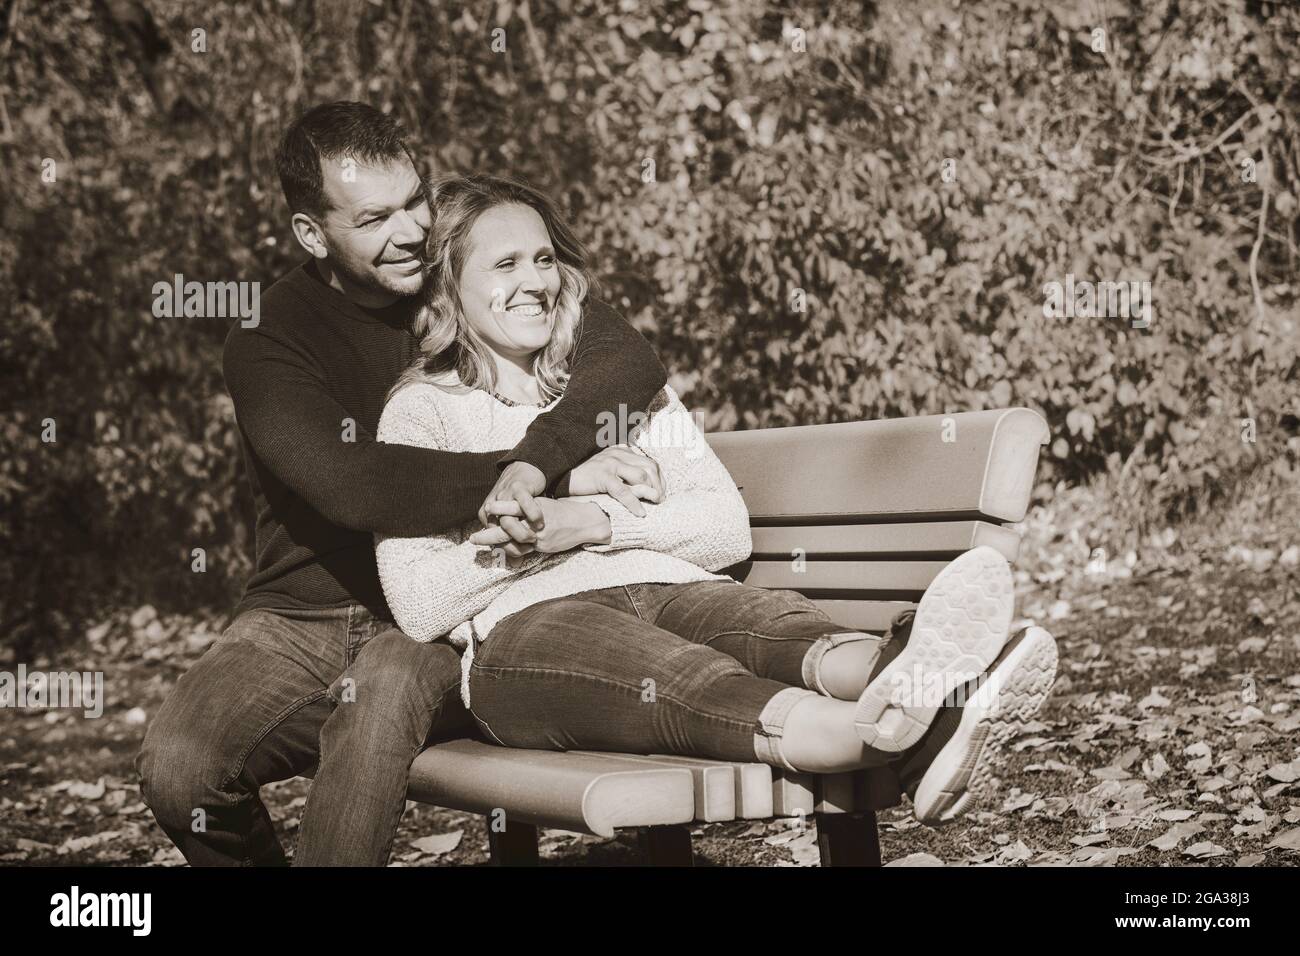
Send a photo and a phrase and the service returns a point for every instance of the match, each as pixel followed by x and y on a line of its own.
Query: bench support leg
pixel 666 846
pixel 848 839
pixel 515 846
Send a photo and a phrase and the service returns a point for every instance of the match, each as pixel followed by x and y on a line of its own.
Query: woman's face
pixel 510 281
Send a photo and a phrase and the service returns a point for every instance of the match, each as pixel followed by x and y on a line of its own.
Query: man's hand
pixel 568 524
pixel 517 486
pixel 622 473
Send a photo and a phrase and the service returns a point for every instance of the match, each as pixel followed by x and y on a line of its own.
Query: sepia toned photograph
pixel 651 433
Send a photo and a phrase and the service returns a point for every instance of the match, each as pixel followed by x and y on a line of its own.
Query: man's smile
pixel 409 264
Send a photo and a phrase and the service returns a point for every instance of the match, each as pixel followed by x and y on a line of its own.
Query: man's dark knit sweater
pixel 309 383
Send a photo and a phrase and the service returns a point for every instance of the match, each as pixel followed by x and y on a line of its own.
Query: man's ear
pixel 309 235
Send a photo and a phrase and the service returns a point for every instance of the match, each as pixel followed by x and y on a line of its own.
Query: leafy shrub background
pixel 773 171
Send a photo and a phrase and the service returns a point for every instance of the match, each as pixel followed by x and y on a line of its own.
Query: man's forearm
pixel 295 431
pixel 404 491
pixel 615 372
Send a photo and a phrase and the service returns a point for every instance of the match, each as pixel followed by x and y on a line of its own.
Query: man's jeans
pixel 281 692
pixel 708 669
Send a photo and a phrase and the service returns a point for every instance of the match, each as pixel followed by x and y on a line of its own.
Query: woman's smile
pixel 529 312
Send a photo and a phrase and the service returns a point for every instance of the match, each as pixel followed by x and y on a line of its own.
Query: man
pixel 311 672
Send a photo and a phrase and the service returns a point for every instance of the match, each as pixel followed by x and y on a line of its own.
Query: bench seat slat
pixel 585 794
pixel 793 793
pixel 753 786
pixel 881 580
pixel 714 782
pixel 935 540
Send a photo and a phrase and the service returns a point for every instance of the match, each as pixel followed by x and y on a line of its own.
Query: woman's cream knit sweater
pixel 446 585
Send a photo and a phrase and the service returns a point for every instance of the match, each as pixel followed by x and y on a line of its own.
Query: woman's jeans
pixel 709 669
pixel 282 692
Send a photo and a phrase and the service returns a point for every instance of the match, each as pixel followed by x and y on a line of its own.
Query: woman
pixel 615 633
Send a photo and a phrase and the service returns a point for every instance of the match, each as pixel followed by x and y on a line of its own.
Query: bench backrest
pixel 861 516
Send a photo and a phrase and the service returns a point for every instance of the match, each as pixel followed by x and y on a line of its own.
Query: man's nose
pixel 407 230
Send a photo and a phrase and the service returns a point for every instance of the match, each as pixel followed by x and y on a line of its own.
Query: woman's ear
pixel 309 235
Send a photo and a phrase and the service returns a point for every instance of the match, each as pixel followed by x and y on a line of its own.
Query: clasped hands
pixel 518 521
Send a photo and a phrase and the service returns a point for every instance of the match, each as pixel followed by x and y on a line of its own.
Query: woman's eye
pixel 505 264
pixel 546 260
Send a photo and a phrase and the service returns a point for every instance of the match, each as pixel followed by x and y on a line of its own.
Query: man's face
pixel 375 228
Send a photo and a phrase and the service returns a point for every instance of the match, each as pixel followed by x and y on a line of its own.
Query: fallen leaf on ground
pixel 1252 814
pixel 1286 840
pixel 1284 772
pixel 804 849
pixel 1051 765
pixel 438 843
pixel 1176 834
pixel 1128 758
pixel 1095 856
pixel 86 791
pixel 1111 773
pixel 77 844
pixel 916 859
pixel 1015 853
pixel 1090 839
pixel 1154 768
pixel 1018 801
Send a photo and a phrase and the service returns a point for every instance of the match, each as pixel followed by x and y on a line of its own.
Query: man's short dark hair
pixel 333 131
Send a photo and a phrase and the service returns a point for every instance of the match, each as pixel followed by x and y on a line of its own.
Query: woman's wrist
pixel 599 530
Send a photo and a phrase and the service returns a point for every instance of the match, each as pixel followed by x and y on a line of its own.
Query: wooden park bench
pixel 859 517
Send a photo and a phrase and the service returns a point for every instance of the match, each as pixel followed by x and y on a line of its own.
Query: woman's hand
pixel 566 524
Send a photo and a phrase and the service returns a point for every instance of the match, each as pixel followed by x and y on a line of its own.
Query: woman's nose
pixel 530 280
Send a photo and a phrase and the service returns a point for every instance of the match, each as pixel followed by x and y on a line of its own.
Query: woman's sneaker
pixel 960 625
pixel 951 766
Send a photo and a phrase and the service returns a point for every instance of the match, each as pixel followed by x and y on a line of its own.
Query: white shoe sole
pixel 962 771
pixel 960 626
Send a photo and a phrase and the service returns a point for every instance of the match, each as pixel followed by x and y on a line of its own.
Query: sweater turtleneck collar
pixel 313 285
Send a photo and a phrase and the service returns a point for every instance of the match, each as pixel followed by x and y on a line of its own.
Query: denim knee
pixel 175 778
pixel 397 683
pixel 698 668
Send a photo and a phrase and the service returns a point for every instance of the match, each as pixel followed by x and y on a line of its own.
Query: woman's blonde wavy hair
pixel 447 341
